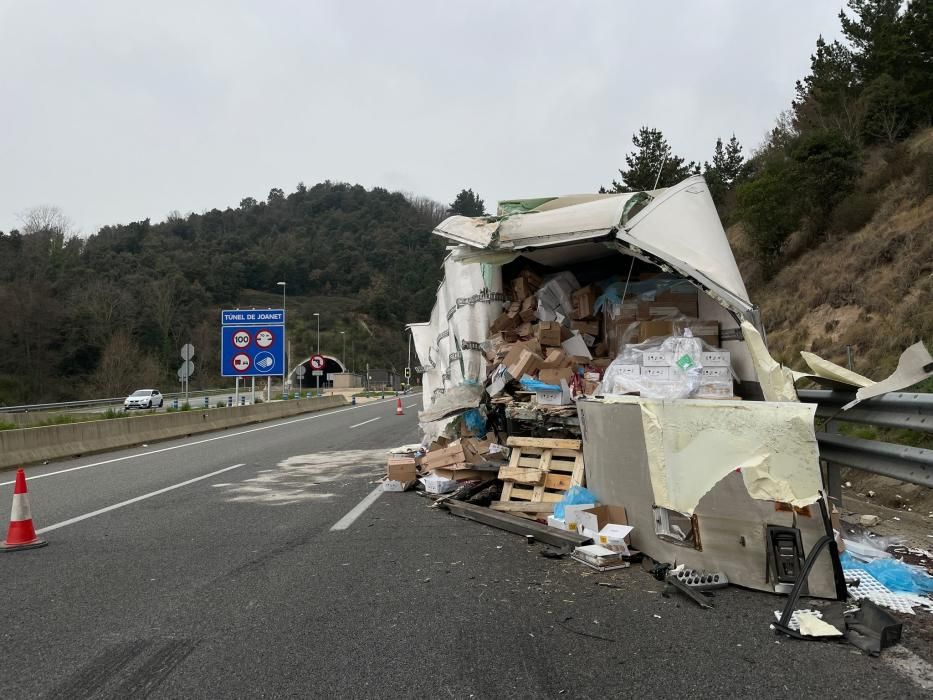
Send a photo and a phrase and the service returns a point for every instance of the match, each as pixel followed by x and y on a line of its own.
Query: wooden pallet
pixel 540 470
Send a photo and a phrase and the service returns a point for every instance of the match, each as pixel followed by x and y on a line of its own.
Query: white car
pixel 143 398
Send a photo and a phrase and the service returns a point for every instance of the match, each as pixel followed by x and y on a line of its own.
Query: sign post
pixel 252 344
pixel 187 367
pixel 300 372
pixel 317 369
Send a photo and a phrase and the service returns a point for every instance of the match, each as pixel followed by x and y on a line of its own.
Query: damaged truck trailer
pixel 622 321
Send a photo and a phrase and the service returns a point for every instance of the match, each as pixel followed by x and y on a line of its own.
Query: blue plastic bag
pixel 575 496
pixel 475 421
pixel 892 573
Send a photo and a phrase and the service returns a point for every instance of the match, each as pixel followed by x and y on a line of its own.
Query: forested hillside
pixel 831 216
pixel 104 314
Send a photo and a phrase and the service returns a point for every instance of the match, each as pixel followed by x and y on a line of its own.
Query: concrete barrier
pixel 26 445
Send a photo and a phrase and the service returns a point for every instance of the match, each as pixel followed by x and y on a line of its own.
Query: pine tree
pixel 651 162
pixel 467 203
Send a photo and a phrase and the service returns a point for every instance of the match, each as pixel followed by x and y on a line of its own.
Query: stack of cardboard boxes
pixel 445 464
pixel 553 331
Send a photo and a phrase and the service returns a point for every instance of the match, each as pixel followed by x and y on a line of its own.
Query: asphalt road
pixel 236 585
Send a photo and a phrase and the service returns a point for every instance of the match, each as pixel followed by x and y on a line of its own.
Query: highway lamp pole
pixel 343 357
pixel 285 368
pixel 317 377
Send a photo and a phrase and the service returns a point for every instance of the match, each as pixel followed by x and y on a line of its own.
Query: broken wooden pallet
pixel 539 471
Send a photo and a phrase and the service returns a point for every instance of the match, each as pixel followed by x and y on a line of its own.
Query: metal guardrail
pixel 103 402
pixel 897 410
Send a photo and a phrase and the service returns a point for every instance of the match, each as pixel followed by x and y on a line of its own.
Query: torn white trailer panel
pixel 702 484
pixel 678 226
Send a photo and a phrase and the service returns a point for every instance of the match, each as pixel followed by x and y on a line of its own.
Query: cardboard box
pixel 555 359
pixel 465 474
pixel 714 389
pixel 584 302
pixel 717 358
pixel 708 331
pixel 455 453
pixel 685 301
pixel 657 358
pixel 629 370
pixel 528 315
pixel 656 372
pixel 575 346
pixel 572 514
pixel 655 329
pixel 586 327
pixel 615 536
pixel 548 397
pixel 525 330
pixel 716 373
pixel 554 376
pixel 597 517
pixel 502 323
pixel 401 469
pixel 438 484
pixel 527 363
pixel 548 333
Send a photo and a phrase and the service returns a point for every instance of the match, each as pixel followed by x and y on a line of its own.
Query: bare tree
pixel 123 367
pixel 48 219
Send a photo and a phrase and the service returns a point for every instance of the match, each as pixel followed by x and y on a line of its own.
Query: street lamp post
pixel 343 358
pixel 285 368
pixel 318 376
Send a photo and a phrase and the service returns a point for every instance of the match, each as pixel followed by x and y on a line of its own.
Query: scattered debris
pixel 674 583
pixel 599 558
pixel 869 520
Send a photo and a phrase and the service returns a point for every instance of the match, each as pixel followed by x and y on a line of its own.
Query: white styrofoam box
pixel 392 485
pixel 657 358
pixel 557 523
pixel 438 484
pixel 716 358
pixel 656 372
pixel 714 389
pixel 716 373
pixel 628 370
pixel 571 514
pixel 613 536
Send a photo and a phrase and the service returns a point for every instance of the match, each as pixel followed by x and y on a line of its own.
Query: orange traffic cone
pixel 398 408
pixel 21 535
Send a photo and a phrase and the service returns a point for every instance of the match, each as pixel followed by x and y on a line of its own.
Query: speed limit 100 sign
pixel 317 362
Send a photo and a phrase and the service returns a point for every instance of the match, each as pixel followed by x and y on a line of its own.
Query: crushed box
pixel 548 333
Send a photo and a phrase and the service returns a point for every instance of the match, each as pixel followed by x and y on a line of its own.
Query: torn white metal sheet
pixel 693 443
pixel 679 226
pixel 777 381
pixel 830 370
pixel 729 525
pixel 914 365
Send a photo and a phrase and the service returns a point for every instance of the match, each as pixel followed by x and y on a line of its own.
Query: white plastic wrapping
pixel 449 348
pixel 683 371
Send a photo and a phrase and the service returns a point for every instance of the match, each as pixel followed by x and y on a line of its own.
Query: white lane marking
pixel 411 405
pixel 909 664
pixel 199 442
pixel 365 422
pixel 72 521
pixel 347 520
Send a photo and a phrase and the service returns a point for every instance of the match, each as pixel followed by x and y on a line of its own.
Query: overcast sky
pixel 117 111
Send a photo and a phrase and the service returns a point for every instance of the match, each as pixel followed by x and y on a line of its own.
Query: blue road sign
pixel 252 343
